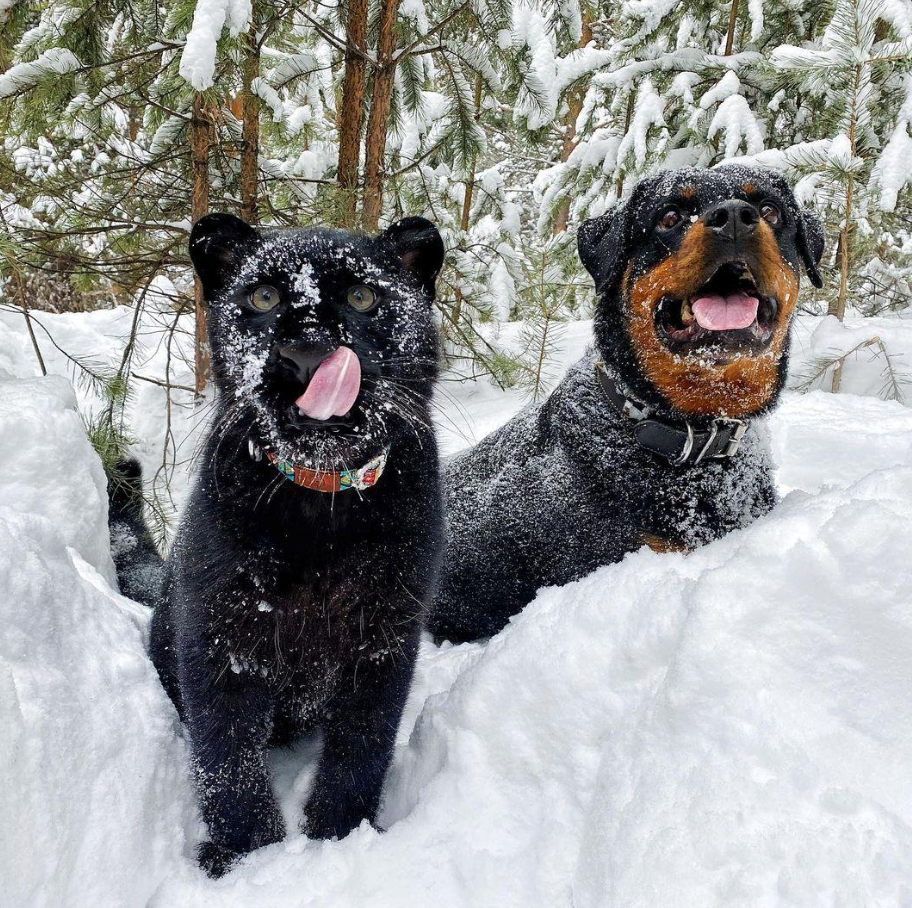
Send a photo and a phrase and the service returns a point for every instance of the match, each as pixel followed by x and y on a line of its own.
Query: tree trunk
pixel 732 22
pixel 378 122
pixel 838 307
pixel 200 141
pixel 465 220
pixel 574 106
pixel 23 302
pixel 350 111
pixel 250 134
pixel 470 180
pixel 628 119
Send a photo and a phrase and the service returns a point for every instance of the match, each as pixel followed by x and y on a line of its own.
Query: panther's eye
pixel 264 298
pixel 770 213
pixel 362 298
pixel 669 219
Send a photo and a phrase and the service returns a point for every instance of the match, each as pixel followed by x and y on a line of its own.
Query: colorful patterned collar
pixel 325 480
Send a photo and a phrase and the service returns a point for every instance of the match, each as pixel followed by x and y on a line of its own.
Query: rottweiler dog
pixel 655 437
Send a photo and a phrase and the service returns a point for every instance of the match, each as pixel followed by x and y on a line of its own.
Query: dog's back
pixel 522 512
pixel 564 488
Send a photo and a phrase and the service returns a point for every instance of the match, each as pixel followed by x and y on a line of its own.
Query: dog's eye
pixel 770 213
pixel 362 298
pixel 264 298
pixel 669 219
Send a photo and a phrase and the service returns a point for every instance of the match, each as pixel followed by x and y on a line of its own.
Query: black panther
pixel 294 594
pixel 653 437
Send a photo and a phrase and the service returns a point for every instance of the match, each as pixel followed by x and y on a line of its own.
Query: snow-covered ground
pixel 731 728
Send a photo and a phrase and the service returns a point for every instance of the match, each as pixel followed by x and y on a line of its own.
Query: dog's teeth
pixel 687 313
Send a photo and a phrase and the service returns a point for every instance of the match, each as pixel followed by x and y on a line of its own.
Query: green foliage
pixel 542 113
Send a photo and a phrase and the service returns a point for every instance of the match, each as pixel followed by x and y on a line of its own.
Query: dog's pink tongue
pixel 725 313
pixel 334 386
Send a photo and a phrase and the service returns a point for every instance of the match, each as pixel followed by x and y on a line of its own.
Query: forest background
pixel 507 122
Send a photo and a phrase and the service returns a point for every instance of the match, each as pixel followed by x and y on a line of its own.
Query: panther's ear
pixel 218 245
pixel 602 245
pixel 811 241
pixel 419 247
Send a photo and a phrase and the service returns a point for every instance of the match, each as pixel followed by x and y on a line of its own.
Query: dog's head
pixel 697 276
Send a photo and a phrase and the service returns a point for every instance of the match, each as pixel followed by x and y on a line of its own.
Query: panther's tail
pixel 140 568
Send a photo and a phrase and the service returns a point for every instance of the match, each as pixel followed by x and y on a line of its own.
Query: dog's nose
pixel 300 363
pixel 733 219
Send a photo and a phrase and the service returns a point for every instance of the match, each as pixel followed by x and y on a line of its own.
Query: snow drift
pixel 731 728
pixel 92 775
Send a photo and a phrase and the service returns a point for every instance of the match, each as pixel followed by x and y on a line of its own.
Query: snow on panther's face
pixel 324 337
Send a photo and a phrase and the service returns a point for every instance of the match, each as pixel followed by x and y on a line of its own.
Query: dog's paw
pixel 216 860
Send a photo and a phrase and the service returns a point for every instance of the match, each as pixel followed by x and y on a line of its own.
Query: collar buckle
pixel 734 443
pixel 681 459
pixel 707 447
pixel 737 428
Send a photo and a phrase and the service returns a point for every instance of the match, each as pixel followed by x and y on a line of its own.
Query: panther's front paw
pixel 216 860
pixel 332 821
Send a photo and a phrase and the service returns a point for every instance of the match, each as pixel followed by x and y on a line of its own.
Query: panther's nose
pixel 300 363
pixel 732 220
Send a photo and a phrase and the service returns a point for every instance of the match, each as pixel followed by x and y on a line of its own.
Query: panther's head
pixel 323 340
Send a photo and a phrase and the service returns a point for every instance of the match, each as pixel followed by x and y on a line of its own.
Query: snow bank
pixel 93 786
pixel 878 354
pixel 730 728
pixel 50 473
pixel 762 753
pixel 99 337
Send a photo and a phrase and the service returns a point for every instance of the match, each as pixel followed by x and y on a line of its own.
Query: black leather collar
pixel 678 443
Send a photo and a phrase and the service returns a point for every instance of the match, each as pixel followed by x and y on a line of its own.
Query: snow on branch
pixel 537 100
pixel 729 85
pixel 648 112
pixel 55 61
pixel 5 7
pixel 735 120
pixel 893 172
pixel 197 64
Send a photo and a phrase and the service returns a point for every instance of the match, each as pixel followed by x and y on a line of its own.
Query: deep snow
pixel 727 729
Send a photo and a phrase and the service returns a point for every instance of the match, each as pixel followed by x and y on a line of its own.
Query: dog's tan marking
pixel 734 388
pixel 748 188
pixel 663 546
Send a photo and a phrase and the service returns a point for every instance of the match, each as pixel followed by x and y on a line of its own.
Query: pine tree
pixel 853 74
pixel 505 122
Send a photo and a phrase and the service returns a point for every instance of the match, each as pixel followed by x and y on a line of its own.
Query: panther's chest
pixel 308 630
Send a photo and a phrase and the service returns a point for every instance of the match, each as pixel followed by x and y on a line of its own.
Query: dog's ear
pixel 419 247
pixel 602 245
pixel 218 245
pixel 811 242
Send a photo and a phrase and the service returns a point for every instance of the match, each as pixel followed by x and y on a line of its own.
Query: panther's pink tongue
pixel 725 313
pixel 334 386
